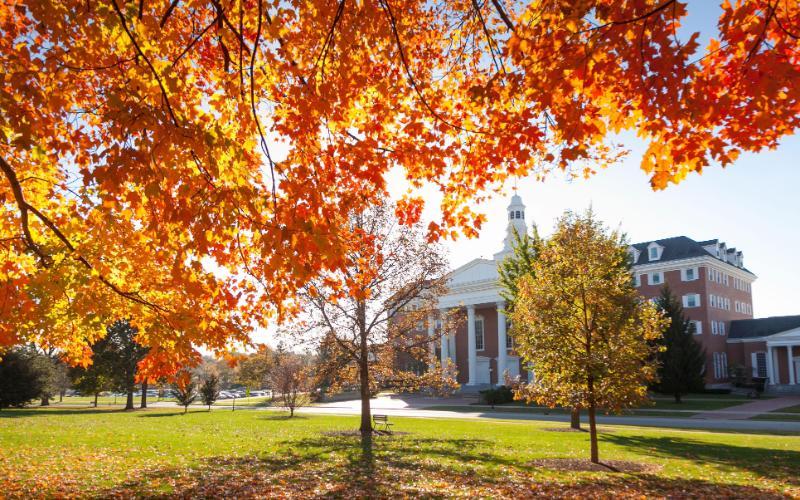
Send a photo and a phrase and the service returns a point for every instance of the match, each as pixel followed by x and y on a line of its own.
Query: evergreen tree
pixel 209 391
pixel 518 264
pixel 681 359
pixel 21 379
pixel 184 392
pixel 119 355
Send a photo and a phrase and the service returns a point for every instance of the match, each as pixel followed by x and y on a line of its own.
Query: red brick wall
pixel 705 313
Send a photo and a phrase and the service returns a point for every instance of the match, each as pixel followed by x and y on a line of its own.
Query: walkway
pixel 751 409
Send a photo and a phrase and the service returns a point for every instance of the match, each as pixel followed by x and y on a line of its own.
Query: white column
pixel 472 359
pixel 791 364
pixel 770 371
pixel 445 355
pixel 501 343
pixel 431 333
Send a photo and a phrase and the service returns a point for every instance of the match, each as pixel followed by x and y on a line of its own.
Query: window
pixel 736 306
pixel 721 328
pixel 725 279
pixel 759 362
pixel 654 253
pixel 720 365
pixel 727 304
pixel 479 334
pixel 712 300
pixel 689 274
pixel 691 300
pixel 656 278
pixel 698 327
pixel 637 280
pixel 714 330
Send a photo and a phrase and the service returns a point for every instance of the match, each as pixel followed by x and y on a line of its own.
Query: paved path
pixel 678 423
pixel 415 406
pixel 751 409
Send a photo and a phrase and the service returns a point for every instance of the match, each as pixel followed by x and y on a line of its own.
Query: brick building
pixel 714 286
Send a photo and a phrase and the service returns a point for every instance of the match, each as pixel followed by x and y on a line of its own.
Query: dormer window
pixel 654 251
pixel 634 254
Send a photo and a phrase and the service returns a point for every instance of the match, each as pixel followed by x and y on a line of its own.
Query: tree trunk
pixel 45 400
pixel 144 395
pixel 678 398
pixel 575 418
pixel 95 399
pixel 129 401
pixel 592 422
pixel 593 434
pixel 291 411
pixel 61 397
pixel 363 371
pixel 185 409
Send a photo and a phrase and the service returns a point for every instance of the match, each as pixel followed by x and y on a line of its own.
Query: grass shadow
pixel 781 465
pixel 53 411
pixel 283 417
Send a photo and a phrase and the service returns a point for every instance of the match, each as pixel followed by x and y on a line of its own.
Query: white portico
pixel 480 349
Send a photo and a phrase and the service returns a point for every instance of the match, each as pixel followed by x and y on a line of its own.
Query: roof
pixel 762 327
pixel 678 248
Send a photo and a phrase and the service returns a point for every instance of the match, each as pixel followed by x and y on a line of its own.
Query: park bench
pixel 382 420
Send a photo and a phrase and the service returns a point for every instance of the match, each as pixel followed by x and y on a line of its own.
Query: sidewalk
pixel 748 410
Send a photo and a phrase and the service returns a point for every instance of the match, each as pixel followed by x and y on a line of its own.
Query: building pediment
pixel 476 270
pixel 789 336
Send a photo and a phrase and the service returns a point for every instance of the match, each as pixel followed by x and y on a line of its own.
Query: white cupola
pixel 516 221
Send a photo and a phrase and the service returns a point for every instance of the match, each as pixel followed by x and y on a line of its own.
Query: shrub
pixel 497 395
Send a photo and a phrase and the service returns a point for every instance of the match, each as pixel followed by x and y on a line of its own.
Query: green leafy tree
pixel 581 324
pixel 209 391
pixel 119 354
pixel 91 380
pixel 185 392
pixel 21 379
pixel 681 358
pixel 520 263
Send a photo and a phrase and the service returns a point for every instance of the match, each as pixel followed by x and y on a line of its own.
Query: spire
pixel 515 214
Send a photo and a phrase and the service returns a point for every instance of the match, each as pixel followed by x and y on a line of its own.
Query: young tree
pixel 151 152
pixel 184 391
pixel 209 391
pixel 681 358
pixel 511 270
pixel 21 379
pixel 291 379
pixel 581 324
pixel 377 307
pixel 91 380
pixel 120 354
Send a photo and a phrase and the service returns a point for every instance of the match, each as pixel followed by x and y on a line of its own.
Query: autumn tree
pixel 253 370
pixel 209 390
pixel 581 324
pixel 291 378
pixel 511 270
pixel 681 359
pixel 377 307
pixel 120 353
pixel 196 163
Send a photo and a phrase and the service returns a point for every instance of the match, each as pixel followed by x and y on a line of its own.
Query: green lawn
pixel 85 452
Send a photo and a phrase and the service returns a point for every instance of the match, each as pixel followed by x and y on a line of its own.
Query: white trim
pixel 707 260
